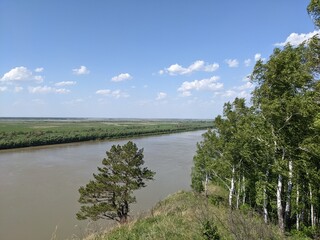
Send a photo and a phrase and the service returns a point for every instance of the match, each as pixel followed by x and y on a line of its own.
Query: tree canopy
pixel 109 195
pixel 267 155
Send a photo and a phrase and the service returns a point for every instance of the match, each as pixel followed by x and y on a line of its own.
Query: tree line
pixel 23 136
pixel 267 154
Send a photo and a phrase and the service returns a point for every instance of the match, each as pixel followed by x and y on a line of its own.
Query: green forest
pixel 266 154
pixel 26 133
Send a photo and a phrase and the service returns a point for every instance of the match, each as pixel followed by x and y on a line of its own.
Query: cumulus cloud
pixel 161 96
pixel 17 74
pixel 199 65
pixel 247 85
pixel 295 39
pixel 229 93
pixel 209 84
pixel 121 77
pixel 110 93
pixel 20 74
pixel 66 83
pixel 233 63
pixel 233 94
pixel 38 78
pixel 258 57
pixel 46 89
pixel 81 71
pixel 39 69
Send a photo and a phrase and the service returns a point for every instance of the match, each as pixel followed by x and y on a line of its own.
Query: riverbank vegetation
pixel 267 155
pixel 186 215
pixel 16 133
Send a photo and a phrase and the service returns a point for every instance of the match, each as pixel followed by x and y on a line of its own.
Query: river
pixel 39 186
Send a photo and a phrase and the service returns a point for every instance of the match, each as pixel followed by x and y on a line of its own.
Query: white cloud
pixel 110 93
pixel 3 89
pixel 61 90
pixel 104 91
pixel 161 96
pixel 247 85
pixel 17 74
pixel 229 93
pixel 233 63
pixel 198 65
pixel 66 83
pixel 209 84
pixel 247 62
pixel 39 69
pixel 233 94
pixel 121 77
pixel 46 89
pixel 20 74
pixel 257 56
pixel 81 71
pixel 38 78
pixel 295 39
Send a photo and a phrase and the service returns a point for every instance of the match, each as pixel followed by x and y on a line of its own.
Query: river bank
pixel 21 133
pixel 191 216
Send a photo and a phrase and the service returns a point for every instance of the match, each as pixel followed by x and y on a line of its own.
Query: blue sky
pixel 137 59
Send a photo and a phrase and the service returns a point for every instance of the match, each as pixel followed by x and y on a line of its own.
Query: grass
pixel 186 215
pixel 15 133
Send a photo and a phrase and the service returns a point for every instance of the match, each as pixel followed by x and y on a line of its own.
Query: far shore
pixel 38 133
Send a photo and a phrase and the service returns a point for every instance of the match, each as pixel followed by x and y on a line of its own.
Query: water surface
pixel 39 186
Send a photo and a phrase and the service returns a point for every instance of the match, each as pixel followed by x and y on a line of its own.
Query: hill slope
pixel 185 215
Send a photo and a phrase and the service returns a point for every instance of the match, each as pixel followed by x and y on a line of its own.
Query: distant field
pixel 16 133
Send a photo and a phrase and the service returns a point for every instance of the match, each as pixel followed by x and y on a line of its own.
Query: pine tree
pixel 111 193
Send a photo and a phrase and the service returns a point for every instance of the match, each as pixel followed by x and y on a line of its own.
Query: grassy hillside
pixel 185 215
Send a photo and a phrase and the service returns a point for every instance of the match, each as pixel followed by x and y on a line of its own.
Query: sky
pixel 137 59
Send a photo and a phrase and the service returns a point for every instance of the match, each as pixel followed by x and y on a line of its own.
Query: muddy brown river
pixel 39 186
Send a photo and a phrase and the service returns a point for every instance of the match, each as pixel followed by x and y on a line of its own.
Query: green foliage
pixel 110 194
pixel 196 181
pixel 250 150
pixel 314 11
pixel 210 230
pixel 306 233
pixel 17 133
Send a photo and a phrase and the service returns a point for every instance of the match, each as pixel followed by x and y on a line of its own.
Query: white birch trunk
pixel 238 193
pixel 288 198
pixel 298 213
pixel 311 207
pixel 279 204
pixel 206 185
pixel 243 190
pixel 231 189
pixel 265 202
